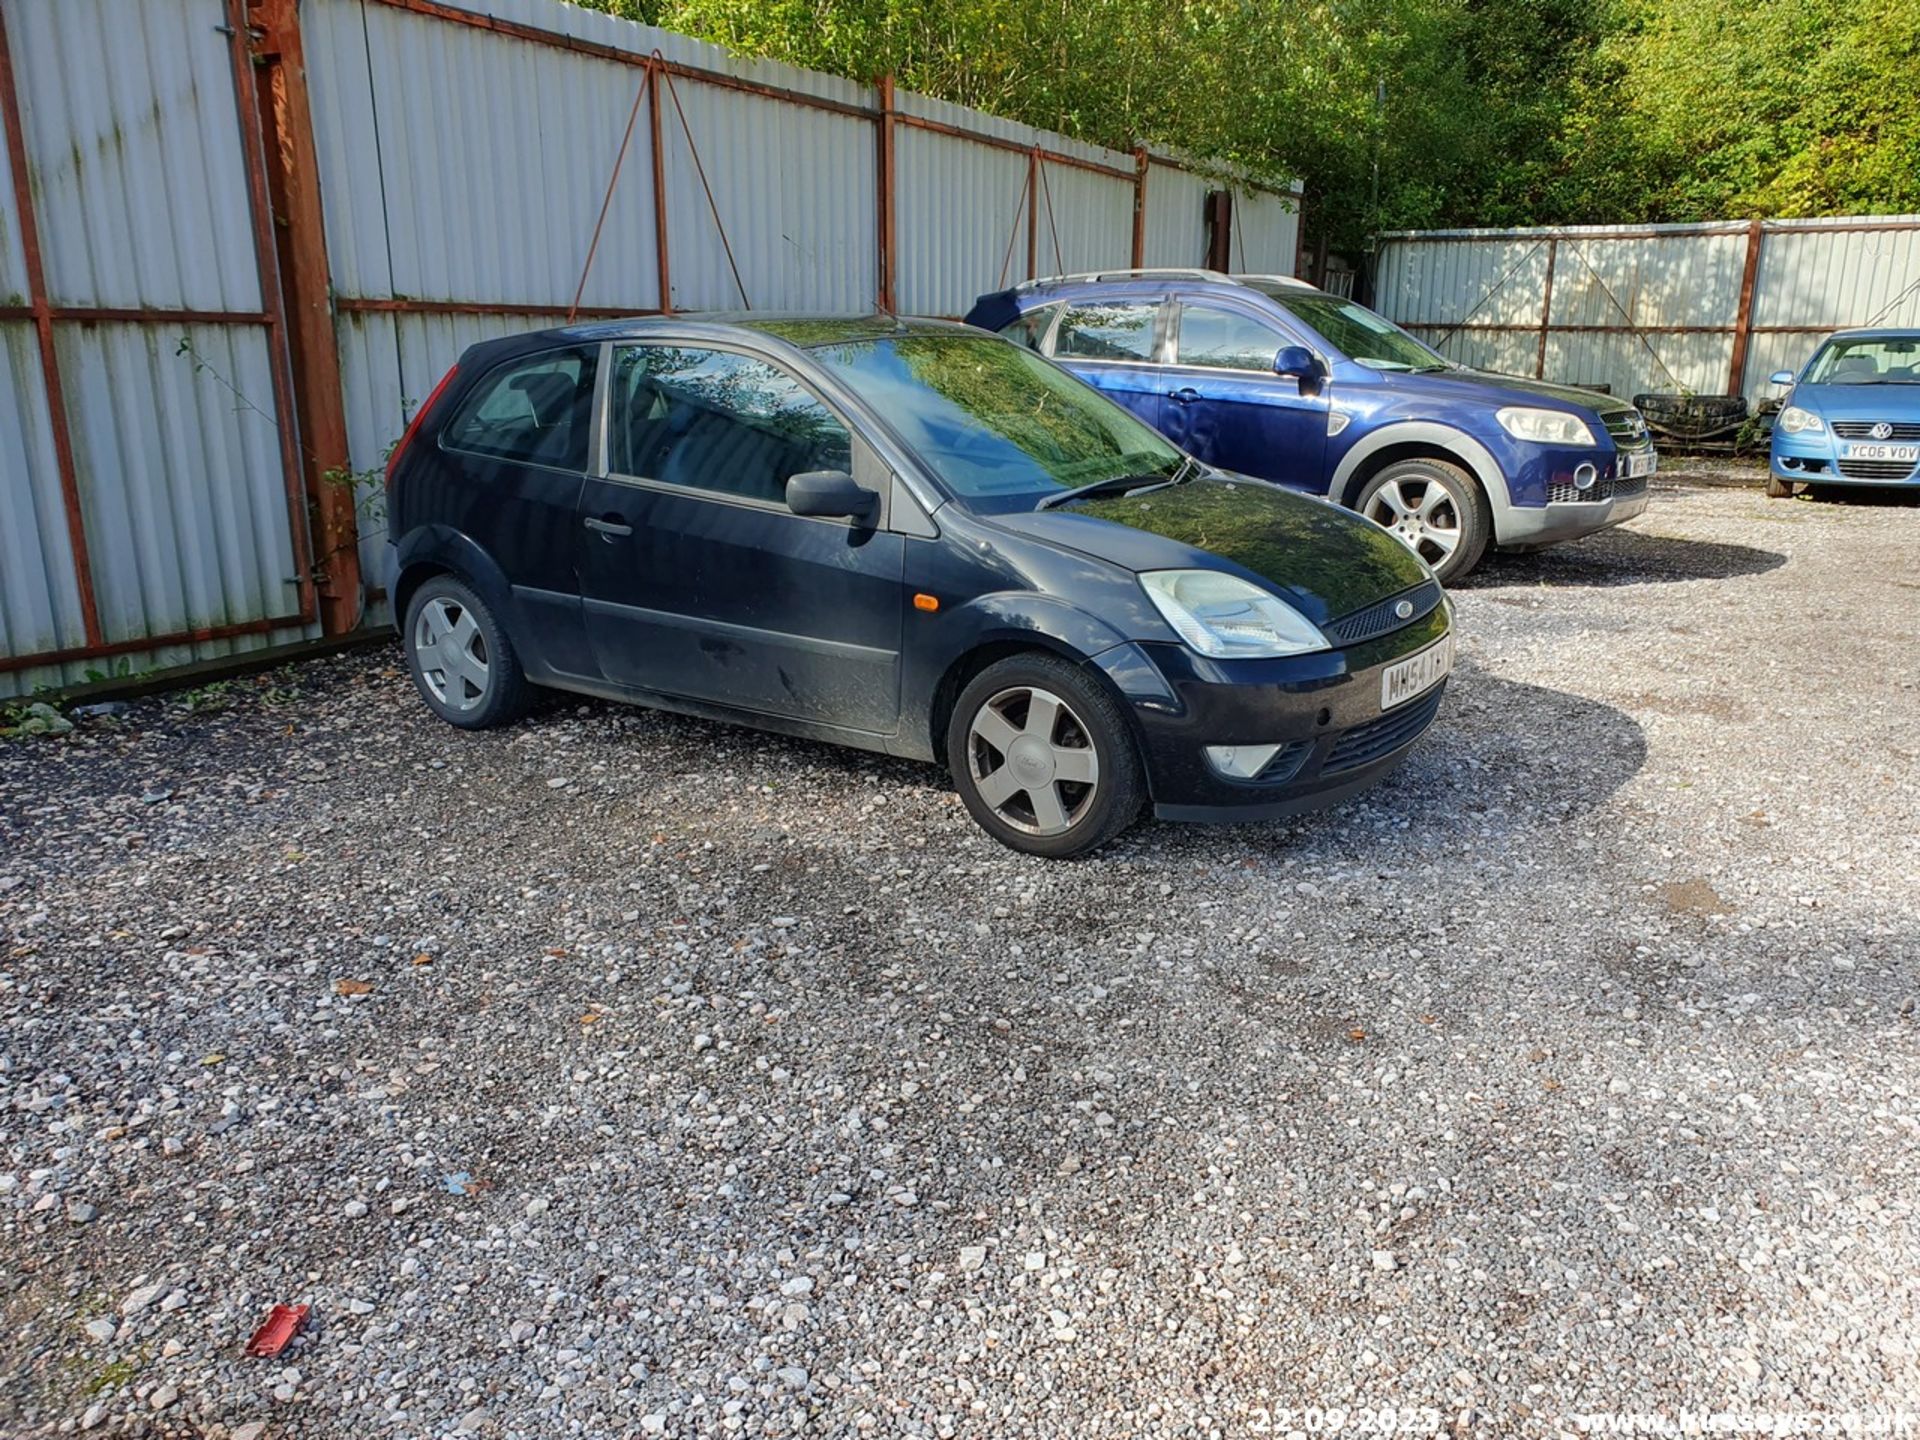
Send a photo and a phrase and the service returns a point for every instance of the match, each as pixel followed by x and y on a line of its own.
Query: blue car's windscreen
pixel 1000 426
pixel 1867 360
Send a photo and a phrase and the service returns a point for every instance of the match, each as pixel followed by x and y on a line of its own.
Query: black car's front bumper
pixel 1322 709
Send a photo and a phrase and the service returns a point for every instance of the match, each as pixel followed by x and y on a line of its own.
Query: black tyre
pixel 1043 757
pixel 1436 507
pixel 1778 489
pixel 462 661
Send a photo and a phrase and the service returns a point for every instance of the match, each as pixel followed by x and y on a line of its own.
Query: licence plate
pixel 1415 675
pixel 1632 467
pixel 1908 453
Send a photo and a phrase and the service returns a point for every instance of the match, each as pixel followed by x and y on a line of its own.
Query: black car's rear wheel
pixel 462 661
pixel 1436 508
pixel 1043 757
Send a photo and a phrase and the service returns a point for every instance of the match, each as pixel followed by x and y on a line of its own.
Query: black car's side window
pixel 537 410
pixel 1030 330
pixel 714 420
pixel 1225 340
pixel 1121 330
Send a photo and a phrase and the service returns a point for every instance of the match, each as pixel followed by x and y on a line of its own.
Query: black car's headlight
pixel 1224 616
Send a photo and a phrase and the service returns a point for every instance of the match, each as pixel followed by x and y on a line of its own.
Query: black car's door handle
pixel 609 525
pixel 1185 395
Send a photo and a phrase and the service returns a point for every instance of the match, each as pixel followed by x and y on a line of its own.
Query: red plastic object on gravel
pixel 283 1323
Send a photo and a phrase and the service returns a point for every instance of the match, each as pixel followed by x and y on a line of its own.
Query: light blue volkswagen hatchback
pixel 1853 415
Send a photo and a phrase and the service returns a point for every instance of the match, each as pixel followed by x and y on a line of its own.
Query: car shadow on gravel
pixel 1503 758
pixel 1622 557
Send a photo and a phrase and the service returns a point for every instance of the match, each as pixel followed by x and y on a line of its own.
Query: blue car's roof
pixel 1876 332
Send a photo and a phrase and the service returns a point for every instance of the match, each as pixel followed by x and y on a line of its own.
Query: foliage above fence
pixel 1522 112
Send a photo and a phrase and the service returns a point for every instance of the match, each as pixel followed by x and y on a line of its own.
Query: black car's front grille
pixel 1285 764
pixel 1876 469
pixel 1378 619
pixel 1907 430
pixel 1377 739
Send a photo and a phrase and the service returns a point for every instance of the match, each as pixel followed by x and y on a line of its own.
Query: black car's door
pixel 697 579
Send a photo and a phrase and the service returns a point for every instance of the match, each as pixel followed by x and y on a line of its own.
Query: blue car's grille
pixel 1377 739
pixel 1908 430
pixel 1605 488
pixel 1876 469
pixel 1379 619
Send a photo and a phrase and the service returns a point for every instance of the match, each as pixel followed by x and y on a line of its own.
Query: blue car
pixel 1267 376
pixel 1853 416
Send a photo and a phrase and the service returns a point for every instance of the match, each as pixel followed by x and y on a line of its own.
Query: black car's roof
pixel 804 331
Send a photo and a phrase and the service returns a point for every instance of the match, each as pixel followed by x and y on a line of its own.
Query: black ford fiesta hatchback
pixel 910 537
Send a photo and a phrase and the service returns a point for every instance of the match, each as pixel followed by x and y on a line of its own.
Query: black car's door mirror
pixel 1781 377
pixel 1299 362
pixel 830 495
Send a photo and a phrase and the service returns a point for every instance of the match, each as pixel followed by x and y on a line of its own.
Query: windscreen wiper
pixel 1122 485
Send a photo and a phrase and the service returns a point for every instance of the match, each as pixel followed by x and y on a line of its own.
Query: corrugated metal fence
pixel 238 221
pixel 1708 309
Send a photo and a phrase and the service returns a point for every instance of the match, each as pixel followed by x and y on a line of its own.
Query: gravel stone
pixel 1596 1019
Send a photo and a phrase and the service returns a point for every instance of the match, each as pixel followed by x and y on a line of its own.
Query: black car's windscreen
pixel 1000 426
pixel 1356 332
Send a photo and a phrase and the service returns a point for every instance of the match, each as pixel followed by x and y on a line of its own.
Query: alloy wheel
pixel 1422 513
pixel 451 650
pixel 1032 760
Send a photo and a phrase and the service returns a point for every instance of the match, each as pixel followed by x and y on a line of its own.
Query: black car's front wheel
pixel 1043 757
pixel 1436 508
pixel 461 659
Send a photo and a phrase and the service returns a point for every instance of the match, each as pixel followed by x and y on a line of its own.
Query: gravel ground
pixel 621 1075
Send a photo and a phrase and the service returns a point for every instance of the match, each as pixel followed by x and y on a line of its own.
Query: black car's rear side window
pixel 537 409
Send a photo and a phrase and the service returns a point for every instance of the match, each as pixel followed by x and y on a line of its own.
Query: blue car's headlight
pixel 1796 421
pixel 1545 427
pixel 1222 615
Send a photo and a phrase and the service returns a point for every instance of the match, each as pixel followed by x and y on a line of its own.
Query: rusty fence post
pixel 665 274
pixel 1139 206
pixel 1743 321
pixel 883 197
pixel 1546 310
pixel 1033 213
pixel 306 296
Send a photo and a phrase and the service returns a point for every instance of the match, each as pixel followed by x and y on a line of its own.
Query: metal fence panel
pixel 1653 307
pixel 1176 216
pixel 1266 232
pixel 1817 274
pixel 39 596
pixel 1647 279
pixel 1086 221
pixel 139 193
pixel 432 137
pixel 960 219
pixel 139 183
pixel 186 507
pixel 794 190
